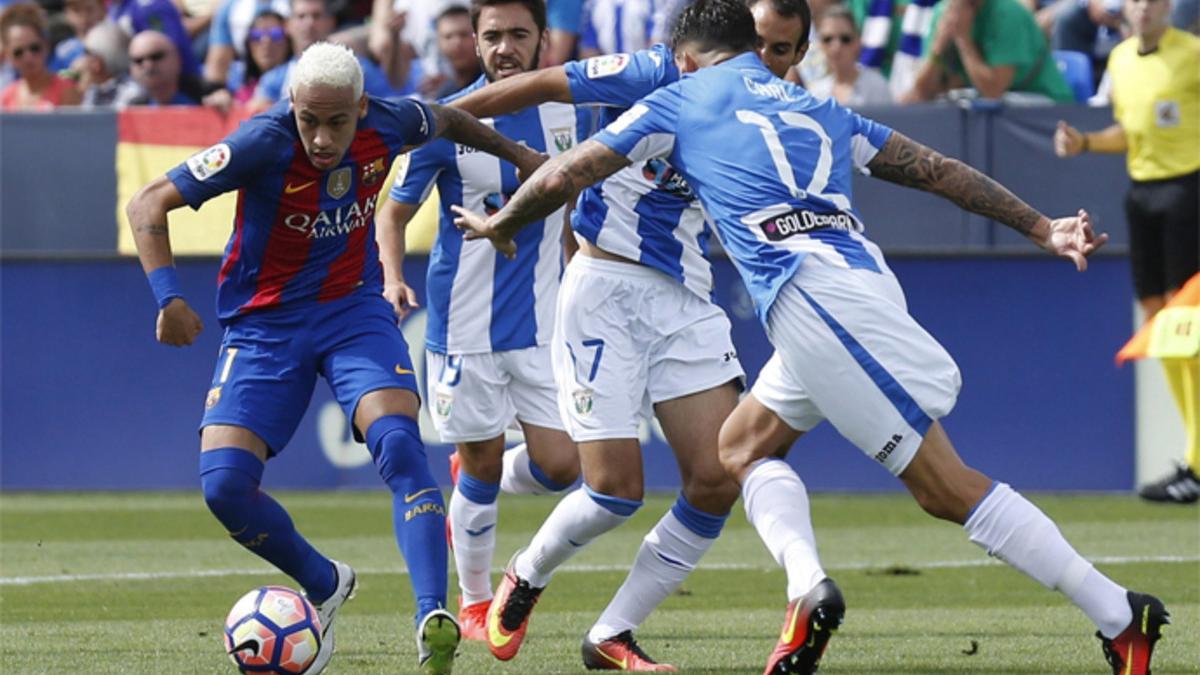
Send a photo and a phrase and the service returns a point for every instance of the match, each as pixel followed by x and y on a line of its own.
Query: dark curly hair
pixel 710 25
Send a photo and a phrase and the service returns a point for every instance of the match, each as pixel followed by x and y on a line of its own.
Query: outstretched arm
pixel 517 93
pixel 462 128
pixel 554 184
pixel 905 162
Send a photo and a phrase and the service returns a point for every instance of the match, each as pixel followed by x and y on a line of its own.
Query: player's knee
pixel 560 470
pixel 227 492
pixel 712 491
pixel 229 479
pixel 395 444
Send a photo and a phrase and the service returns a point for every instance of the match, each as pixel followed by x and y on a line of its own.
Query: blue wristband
pixel 165 284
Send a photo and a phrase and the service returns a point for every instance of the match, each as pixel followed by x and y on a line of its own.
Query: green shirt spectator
pixel 994 46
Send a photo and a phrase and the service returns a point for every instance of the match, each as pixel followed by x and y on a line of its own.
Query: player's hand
pixel 475 226
pixel 1073 238
pixel 1068 141
pixel 403 299
pixel 532 159
pixel 178 325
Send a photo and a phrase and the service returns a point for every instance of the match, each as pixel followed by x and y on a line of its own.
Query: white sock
pixel 1011 528
pixel 473 552
pixel 517 477
pixel 669 552
pixel 577 520
pixel 777 505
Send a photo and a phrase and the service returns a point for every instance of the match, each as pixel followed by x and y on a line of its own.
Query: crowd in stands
pixel 227 53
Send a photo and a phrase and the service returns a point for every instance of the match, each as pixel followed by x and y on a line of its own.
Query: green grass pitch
pixel 139 583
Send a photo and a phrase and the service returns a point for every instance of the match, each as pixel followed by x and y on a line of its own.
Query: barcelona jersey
pixel 301 236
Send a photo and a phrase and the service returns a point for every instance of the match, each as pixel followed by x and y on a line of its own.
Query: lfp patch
pixel 210 162
pixel 609 64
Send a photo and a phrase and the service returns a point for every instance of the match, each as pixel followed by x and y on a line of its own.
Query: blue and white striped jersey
pixel 771 164
pixel 646 212
pixel 478 300
pixel 618 26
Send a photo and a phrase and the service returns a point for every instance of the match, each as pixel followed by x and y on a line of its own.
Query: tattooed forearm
pixel 152 229
pixel 906 162
pixel 462 128
pixel 556 182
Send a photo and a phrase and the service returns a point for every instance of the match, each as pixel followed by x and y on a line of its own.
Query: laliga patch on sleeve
pixel 210 162
pixel 609 64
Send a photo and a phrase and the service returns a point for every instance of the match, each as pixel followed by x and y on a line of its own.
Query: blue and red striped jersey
pixel 300 235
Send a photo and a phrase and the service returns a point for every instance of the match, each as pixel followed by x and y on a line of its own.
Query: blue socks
pixel 418 511
pixel 230 478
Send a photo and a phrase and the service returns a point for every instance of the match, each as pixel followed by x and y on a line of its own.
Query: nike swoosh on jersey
pixel 403 371
pixel 480 531
pixel 291 189
pixel 408 499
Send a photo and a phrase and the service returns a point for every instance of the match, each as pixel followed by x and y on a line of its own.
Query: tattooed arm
pixel 554 184
pixel 905 162
pixel 462 128
pixel 178 324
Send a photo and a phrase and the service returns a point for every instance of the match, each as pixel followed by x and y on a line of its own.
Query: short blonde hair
pixel 328 64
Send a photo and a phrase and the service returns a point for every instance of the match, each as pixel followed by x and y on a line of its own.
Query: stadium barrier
pixel 91 401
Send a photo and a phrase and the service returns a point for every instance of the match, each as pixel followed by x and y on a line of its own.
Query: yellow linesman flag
pixel 1174 333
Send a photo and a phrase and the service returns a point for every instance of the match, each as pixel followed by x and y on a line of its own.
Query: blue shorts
pixel 269 363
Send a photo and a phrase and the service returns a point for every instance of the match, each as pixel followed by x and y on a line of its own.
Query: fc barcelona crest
pixel 371 173
pixel 339 183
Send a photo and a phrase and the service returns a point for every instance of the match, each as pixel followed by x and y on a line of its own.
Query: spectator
pixel 23 34
pixel 849 82
pixel 104 73
pixel 267 46
pixel 882 21
pixel 563 18
pixel 135 16
pixel 156 66
pixel 993 46
pixel 456 48
pixel 417 38
pixel 227 34
pixel 81 15
pixel 615 26
pixel 311 22
pixel 1091 27
pixel 1156 103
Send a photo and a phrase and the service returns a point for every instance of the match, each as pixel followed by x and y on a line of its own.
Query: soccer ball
pixel 272 629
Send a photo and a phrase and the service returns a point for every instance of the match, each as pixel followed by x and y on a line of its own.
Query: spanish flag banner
pixel 152 141
pixel 1174 333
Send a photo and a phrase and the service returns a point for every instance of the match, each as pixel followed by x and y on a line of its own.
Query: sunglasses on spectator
pixel 35 49
pixel 845 38
pixel 275 34
pixel 153 57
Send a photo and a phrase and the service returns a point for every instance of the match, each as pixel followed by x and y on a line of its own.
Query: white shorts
pixel 627 337
pixel 474 397
pixel 848 351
